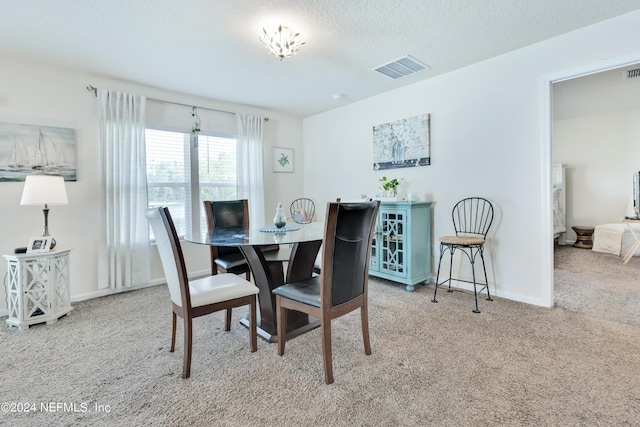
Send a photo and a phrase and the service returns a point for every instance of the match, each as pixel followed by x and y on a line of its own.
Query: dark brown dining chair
pixel 227 213
pixel 199 297
pixel 472 219
pixel 343 283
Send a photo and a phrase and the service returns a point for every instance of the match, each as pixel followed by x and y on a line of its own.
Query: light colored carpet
pixel 597 284
pixel 432 364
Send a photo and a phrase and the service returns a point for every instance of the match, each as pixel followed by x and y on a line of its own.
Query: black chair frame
pixel 472 219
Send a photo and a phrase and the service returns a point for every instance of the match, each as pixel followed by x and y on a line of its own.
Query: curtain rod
pixel 94 89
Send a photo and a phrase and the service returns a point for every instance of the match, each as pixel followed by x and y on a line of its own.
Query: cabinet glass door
pixel 36 289
pixel 60 284
pixel 391 242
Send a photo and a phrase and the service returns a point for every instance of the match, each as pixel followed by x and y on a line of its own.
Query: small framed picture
pixel 282 159
pixel 39 244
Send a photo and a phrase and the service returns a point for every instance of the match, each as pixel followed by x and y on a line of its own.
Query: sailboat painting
pixel 28 150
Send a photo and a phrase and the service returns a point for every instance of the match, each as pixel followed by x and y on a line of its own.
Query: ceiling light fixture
pixel 282 43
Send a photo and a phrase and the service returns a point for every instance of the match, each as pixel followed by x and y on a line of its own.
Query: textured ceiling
pixel 599 93
pixel 210 48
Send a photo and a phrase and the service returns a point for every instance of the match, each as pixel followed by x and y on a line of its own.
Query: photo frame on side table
pixel 39 244
pixel 282 159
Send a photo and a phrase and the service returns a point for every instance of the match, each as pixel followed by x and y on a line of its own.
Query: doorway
pixel 571 79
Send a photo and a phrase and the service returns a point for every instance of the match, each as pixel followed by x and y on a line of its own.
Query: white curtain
pixel 250 165
pixel 124 258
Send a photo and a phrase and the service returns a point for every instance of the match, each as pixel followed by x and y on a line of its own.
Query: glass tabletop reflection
pixel 252 236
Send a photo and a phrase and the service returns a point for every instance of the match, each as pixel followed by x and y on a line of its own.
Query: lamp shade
pixel 44 190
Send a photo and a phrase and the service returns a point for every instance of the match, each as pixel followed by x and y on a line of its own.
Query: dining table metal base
pixel 268 275
pixel 272 337
pixel 298 251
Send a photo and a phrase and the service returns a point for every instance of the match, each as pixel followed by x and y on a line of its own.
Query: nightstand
pixel 584 236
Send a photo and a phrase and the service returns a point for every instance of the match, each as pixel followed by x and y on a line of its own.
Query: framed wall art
pixel 402 144
pixel 282 159
pixel 30 149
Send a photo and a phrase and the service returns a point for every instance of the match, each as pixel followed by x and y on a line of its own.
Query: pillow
pixel 300 216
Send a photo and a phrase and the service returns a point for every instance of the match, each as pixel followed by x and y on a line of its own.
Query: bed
pixel 559 203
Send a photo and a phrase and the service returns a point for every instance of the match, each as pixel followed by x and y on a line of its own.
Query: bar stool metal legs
pixel 471 255
pixel 472 217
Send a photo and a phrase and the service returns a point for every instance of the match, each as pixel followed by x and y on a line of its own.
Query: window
pixel 181 178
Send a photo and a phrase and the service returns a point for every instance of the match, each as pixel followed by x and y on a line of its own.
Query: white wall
pixel 39 94
pixel 601 153
pixel 487 140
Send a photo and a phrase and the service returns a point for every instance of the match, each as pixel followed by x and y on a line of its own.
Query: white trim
pixel 546 120
pixel 546 117
pixel 106 292
pixel 497 293
pixel 148 284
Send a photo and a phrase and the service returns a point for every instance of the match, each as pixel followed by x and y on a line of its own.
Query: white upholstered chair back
pixel 166 251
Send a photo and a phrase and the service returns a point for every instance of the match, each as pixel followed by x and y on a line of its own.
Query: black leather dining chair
pixel 343 283
pixel 227 213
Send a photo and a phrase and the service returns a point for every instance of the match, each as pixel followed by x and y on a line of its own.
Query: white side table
pixel 38 288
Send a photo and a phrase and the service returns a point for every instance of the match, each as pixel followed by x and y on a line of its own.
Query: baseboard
pixel 153 282
pixel 498 293
pixel 106 292
pixel 568 243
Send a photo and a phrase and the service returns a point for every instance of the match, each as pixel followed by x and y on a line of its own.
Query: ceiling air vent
pixel 401 67
pixel 633 74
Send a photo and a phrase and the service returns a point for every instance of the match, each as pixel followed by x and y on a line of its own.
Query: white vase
pixel 280 220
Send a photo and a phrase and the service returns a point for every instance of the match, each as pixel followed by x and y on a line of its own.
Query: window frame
pixel 194 173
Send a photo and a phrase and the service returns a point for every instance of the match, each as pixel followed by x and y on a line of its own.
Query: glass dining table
pixel 268 268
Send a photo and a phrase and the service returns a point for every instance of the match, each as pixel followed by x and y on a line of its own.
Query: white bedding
pixel 559 196
pixel 558 213
pixel 615 239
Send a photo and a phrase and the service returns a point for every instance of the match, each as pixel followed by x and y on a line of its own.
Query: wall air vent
pixel 633 74
pixel 401 67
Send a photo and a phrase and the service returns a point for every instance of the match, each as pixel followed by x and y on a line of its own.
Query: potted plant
pixel 390 185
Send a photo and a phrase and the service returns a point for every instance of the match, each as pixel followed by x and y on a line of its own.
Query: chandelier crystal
pixel 282 43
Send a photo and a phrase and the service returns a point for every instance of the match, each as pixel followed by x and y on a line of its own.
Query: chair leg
pixel 326 350
pixel 253 333
pixel 227 320
pixel 214 266
pixel 173 333
pixel 280 324
pixel 435 291
pixel 188 338
pixel 486 280
pixel 364 317
pixel 473 274
pixel 450 267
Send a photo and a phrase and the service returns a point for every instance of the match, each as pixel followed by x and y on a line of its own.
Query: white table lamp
pixel 44 190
